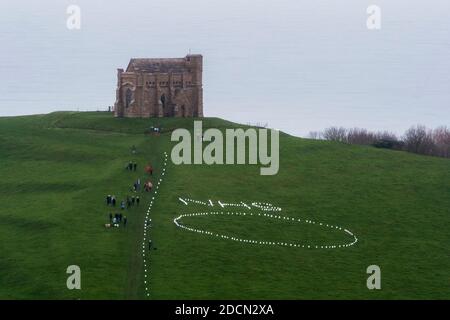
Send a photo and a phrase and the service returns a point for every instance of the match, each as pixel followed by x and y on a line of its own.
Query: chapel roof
pixel 158 65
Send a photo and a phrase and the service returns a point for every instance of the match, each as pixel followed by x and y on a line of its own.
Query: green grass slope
pixel 56 169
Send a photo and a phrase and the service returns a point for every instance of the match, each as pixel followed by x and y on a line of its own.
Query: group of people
pixel 131 201
pixel 137 185
pixel 117 219
pixel 131 166
pixel 110 200
pixel 124 204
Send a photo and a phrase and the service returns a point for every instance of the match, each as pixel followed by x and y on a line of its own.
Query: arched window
pixel 128 97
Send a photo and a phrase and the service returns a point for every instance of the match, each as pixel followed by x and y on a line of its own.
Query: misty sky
pixel 297 65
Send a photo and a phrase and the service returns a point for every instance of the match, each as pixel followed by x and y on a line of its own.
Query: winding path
pixel 147 227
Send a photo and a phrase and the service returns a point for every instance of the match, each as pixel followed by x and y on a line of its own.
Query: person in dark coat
pixel 137 200
pixel 113 201
pixel 135 166
pixel 124 221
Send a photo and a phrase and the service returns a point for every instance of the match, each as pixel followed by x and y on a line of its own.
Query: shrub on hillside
pixel 417 139
pixel 389 144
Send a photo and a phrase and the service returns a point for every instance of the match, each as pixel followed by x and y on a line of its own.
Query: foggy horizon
pixel 295 65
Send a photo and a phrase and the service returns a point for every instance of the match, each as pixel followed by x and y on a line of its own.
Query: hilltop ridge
pixel 56 170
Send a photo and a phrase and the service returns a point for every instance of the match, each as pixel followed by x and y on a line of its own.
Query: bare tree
pixel 335 134
pixel 361 136
pixel 419 140
pixel 316 135
pixel 441 139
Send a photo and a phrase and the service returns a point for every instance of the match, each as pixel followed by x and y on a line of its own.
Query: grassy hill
pixel 56 169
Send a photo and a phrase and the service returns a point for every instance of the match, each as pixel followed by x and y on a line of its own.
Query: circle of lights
pixel 177 222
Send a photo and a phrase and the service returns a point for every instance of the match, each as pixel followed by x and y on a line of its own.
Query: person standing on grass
pixel 122 205
pixel 148 186
pixel 113 200
pixel 110 217
pixel 137 200
pixel 125 221
pixel 149 244
pixel 135 166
